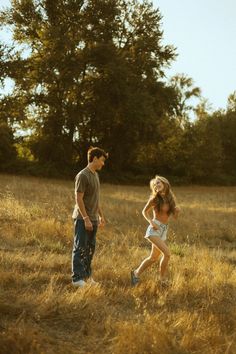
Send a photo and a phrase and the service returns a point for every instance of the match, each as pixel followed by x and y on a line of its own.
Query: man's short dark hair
pixel 96 152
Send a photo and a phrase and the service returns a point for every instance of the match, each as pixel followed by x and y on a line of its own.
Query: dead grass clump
pixel 11 210
pixel 21 339
pixel 144 335
pixel 200 333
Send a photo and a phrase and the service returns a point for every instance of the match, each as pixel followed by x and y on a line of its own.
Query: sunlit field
pixel 40 311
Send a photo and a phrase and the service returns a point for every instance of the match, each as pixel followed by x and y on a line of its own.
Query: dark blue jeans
pixel 83 250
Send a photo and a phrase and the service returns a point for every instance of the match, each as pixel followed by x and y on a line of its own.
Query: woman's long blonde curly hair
pixel 157 198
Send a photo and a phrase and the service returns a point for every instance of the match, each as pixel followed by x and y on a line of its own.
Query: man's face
pixel 99 162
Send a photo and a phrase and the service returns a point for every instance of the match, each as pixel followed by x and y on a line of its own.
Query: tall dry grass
pixel 42 313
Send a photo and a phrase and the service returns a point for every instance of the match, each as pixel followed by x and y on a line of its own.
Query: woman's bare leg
pixel 157 242
pixel 147 262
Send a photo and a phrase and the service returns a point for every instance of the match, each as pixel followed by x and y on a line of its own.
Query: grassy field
pixel 40 311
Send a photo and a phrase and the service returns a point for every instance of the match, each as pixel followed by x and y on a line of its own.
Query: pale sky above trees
pixel 204 33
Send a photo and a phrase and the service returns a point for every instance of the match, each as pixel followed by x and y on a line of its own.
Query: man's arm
pixel 102 220
pixel 80 204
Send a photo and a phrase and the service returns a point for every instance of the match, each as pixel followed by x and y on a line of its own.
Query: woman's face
pixel 159 185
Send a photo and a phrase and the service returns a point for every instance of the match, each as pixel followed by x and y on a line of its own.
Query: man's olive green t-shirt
pixel 88 183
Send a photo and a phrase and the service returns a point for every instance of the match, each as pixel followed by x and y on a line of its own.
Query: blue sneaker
pixel 134 278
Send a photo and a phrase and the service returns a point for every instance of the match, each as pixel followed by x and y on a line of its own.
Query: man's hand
pixel 102 222
pixel 88 225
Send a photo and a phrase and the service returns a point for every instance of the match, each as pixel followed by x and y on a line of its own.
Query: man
pixel 87 215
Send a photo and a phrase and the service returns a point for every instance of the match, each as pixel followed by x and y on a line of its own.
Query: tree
pixel 92 74
pixel 227 121
pixel 185 93
pixel 231 107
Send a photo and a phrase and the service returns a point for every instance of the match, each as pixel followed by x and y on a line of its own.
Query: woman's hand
pixel 154 225
pixel 176 212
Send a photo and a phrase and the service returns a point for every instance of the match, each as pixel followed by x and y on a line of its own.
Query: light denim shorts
pixel 161 232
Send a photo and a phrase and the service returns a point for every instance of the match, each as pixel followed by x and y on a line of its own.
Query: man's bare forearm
pixel 81 207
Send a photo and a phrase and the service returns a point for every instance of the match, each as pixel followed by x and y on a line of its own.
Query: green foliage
pixel 90 75
pixel 7 150
pixel 205 153
pixel 227 124
pixel 185 91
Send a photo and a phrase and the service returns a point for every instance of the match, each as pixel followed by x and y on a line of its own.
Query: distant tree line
pixel 92 72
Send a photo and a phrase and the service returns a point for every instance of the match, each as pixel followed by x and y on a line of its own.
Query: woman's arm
pixel 146 210
pixel 148 207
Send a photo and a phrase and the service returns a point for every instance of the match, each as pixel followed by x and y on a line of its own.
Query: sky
pixel 204 32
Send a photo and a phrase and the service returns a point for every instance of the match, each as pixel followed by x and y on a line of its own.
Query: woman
pixel 162 203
